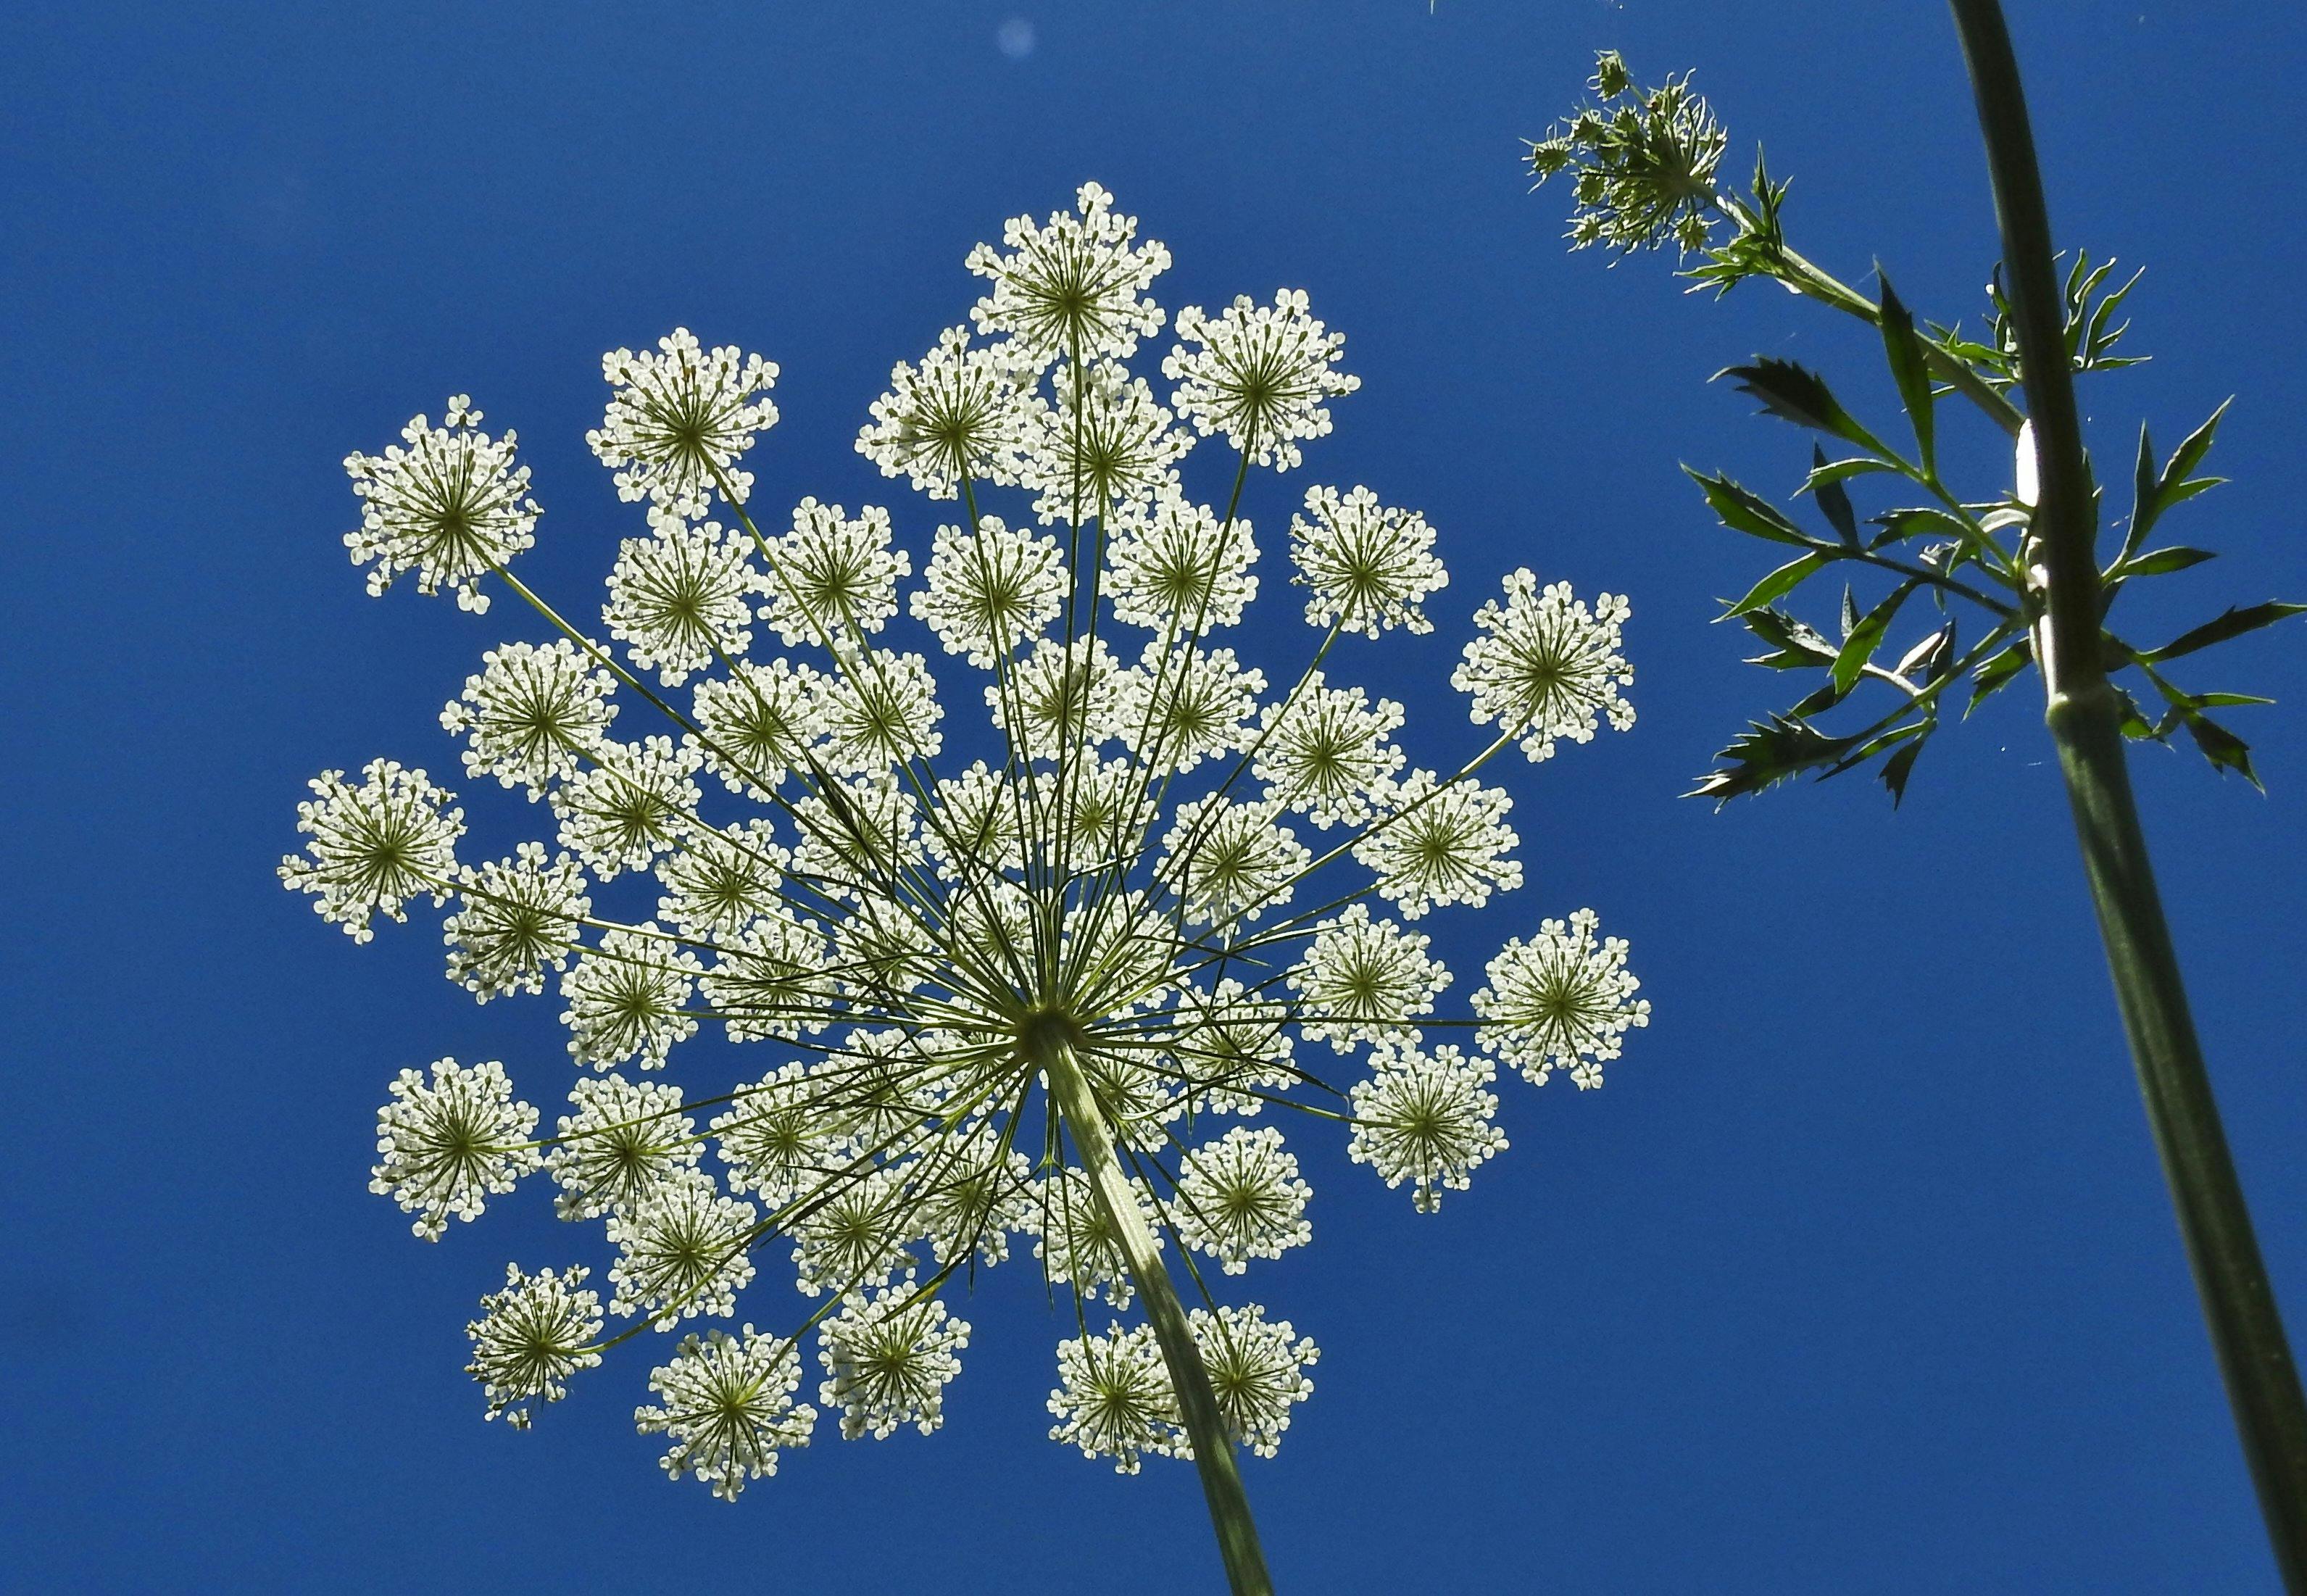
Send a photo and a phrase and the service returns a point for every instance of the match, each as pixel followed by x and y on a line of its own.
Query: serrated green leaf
pixel 1833 503
pixel 1826 471
pixel 1769 753
pixel 2163 561
pixel 1996 674
pixel 1781 582
pixel 2222 747
pixel 2233 623
pixel 1795 393
pixel 1912 375
pixel 1798 645
pixel 1742 510
pixel 1867 636
pixel 1899 766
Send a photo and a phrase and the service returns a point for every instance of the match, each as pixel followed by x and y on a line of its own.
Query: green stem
pixel 2084 721
pixel 1050 1049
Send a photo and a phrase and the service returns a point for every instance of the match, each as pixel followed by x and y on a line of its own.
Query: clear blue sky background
pixel 1860 1276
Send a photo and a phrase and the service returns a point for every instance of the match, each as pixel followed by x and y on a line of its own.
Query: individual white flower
pixel 1179 567
pixel 532 713
pixel 957 417
pixel 1325 753
pixel 777 1138
pixel 882 711
pixel 1257 1372
pixel 728 1406
pixel 857 1234
pixel 629 808
pixel 989 591
pixel 1548 665
pixel 450 507
pixel 1231 859
pixel 445 1147
pixel 1114 1398
pixel 1102 446
pixel 1188 704
pixel 768 980
pixel 1262 376
pixel 1365 980
pixel 625 1140
pixel 517 919
pixel 1424 1118
pixel 681 1250
pixel 718 880
pixel 1446 842
pixel 1562 999
pixel 373 847
pixel 531 1336
pixel 681 597
pixel 1369 568
pixel 1062 695
pixel 1071 288
pixel 1240 1198
pixel 625 999
pixel 761 724
pixel 888 1357
pixel 831 577
pixel 678 419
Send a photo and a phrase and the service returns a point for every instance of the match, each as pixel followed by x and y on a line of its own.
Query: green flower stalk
pixel 1034 983
pixel 2024 563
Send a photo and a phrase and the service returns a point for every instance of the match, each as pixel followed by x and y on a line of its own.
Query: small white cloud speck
pixel 1015 39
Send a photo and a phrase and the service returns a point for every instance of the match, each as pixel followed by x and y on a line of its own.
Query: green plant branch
pixel 2084 715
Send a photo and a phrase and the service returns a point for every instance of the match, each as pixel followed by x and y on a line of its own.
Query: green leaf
pixel 1909 371
pixel 2222 747
pixel 1867 636
pixel 1833 503
pixel 1781 582
pixel 1798 645
pixel 2142 495
pixel 1858 465
pixel 1767 754
pixel 1744 511
pixel 1901 765
pixel 2163 561
pixel 1996 674
pixel 1796 394
pixel 2233 623
pixel 2228 701
pixel 2188 456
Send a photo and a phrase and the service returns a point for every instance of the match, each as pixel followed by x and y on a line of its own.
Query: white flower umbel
pixel 1029 890
pixel 1546 664
pixel 1562 999
pixel 450 507
pixel 531 1337
pixel 728 1407
pixel 678 419
pixel 1262 376
pixel 888 1357
pixel 446 1145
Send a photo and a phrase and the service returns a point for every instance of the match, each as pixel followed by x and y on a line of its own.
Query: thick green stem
pixel 2084 717
pixel 1197 1403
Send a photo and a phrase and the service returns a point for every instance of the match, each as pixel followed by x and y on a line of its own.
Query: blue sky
pixel 1858 1276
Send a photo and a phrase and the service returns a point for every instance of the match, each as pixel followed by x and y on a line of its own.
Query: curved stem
pixel 2084 717
pixel 1197 1403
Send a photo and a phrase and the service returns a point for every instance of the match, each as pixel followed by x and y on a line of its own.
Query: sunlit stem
pixel 1050 1048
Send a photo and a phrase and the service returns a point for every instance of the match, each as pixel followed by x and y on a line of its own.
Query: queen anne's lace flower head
pixel 531 1337
pixel 727 1405
pixel 1562 999
pixel 1370 568
pixel 446 1145
pixel 1036 978
pixel 958 417
pixel 374 847
pixel 677 420
pixel 1073 287
pixel 533 714
pixel 1261 375
pixel 451 507
pixel 1546 664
